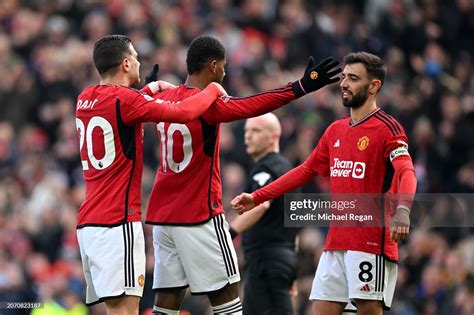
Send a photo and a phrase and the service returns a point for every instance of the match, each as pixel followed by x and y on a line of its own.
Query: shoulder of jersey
pixel 344 122
pixel 179 90
pixel 390 123
pixel 114 87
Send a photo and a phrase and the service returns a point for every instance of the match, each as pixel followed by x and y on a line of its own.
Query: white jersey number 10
pixel 167 142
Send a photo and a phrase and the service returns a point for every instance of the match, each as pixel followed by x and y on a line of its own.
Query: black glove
pixel 316 77
pixel 153 74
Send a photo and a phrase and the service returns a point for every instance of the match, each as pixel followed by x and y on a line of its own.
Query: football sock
pixel 233 307
pixel 163 311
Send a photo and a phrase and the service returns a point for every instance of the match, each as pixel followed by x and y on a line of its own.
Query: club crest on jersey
pixel 363 143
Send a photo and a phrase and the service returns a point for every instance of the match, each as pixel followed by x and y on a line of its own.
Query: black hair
pixel 109 52
pixel 202 50
pixel 373 64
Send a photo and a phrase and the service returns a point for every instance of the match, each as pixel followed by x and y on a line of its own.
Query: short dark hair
pixel 202 50
pixel 373 64
pixel 109 51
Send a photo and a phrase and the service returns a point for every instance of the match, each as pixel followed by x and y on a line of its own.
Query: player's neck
pixel 115 80
pixel 197 81
pixel 357 114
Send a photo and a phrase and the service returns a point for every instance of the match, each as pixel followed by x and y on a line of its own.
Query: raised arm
pixel 236 108
pixel 227 109
pixel 192 107
pixel 146 109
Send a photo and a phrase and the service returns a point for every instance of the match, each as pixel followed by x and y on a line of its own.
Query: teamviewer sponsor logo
pixel 359 170
pixel 341 168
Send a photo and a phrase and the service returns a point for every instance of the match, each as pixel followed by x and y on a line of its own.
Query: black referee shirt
pixel 269 231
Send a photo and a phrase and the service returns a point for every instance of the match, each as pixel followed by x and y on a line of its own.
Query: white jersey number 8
pixel 109 144
pixel 167 147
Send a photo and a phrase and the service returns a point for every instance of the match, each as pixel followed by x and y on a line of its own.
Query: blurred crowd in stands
pixel 45 60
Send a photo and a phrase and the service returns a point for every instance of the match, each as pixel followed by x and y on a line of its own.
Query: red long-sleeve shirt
pixel 187 188
pixel 109 122
pixel 357 159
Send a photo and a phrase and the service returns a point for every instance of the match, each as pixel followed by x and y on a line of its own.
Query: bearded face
pixel 355 98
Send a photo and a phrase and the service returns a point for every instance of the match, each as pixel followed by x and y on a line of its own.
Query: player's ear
pixel 213 66
pixel 125 65
pixel 375 86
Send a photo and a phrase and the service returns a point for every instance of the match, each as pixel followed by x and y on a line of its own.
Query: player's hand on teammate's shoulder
pixel 223 91
pixel 164 85
pixel 160 86
pixel 400 226
pixel 317 76
pixel 243 202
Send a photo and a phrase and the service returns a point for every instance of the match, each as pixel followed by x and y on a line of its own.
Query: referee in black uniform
pixel 268 246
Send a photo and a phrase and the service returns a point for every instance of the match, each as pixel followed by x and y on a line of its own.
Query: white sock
pixel 160 310
pixel 233 307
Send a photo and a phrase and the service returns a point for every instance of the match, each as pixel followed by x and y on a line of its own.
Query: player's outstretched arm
pixel 236 108
pixel 288 182
pixel 400 226
pixel 146 109
pixel 194 106
pixel 157 87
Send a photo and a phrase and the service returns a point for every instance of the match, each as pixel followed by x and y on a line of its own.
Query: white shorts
pixel 113 260
pixel 343 276
pixel 199 256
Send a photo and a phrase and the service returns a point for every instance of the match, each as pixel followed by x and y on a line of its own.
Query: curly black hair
pixel 202 50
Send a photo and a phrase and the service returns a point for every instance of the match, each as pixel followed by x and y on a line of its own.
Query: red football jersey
pixel 357 158
pixel 108 120
pixel 187 188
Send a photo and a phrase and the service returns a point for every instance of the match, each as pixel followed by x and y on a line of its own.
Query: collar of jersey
pixel 363 119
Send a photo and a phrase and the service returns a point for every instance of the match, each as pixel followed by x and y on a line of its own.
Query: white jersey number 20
pixel 85 133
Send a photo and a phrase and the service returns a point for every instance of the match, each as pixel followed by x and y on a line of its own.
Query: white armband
pixel 399 152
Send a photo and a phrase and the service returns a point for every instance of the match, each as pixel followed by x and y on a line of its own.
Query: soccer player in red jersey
pixel 191 240
pixel 109 119
pixel 365 153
